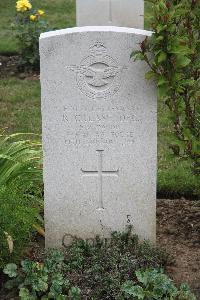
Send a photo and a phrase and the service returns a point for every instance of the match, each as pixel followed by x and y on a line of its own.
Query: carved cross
pixel 100 173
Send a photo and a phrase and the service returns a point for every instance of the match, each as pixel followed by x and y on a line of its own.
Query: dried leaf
pixel 39 229
pixel 9 241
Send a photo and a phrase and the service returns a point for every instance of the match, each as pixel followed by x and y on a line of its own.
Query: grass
pixel 20 101
pixel 20 105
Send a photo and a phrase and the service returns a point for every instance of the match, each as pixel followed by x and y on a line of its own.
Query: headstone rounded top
pixel 95 29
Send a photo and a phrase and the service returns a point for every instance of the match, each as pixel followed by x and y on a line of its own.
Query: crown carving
pixel 98 48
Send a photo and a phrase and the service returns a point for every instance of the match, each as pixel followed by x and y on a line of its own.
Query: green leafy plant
pixel 20 193
pixel 173 56
pixel 100 266
pixel 95 269
pixel 42 280
pixel 11 270
pixel 19 158
pixel 154 284
pixel 29 24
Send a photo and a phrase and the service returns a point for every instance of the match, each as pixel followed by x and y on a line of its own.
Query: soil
pixel 178 232
pixel 9 67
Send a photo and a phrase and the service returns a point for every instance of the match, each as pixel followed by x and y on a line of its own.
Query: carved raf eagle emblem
pixel 98 75
pixel 101 77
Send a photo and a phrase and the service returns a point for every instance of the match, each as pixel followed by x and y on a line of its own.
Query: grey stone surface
pixel 99 134
pixel 126 13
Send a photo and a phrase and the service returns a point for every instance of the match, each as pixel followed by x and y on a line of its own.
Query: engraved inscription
pixel 100 173
pixel 99 125
pixel 98 75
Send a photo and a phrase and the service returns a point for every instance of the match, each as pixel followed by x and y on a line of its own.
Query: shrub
pixel 154 284
pixel 101 268
pixel 28 25
pixel 173 55
pixel 18 212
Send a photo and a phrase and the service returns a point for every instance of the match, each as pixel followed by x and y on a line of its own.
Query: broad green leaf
pixel 160 28
pixel 41 285
pixel 139 56
pixel 75 293
pixel 10 270
pixel 162 57
pixel 159 38
pixel 182 61
pixel 162 81
pixel 163 90
pixel 133 290
pixel 24 294
pixel 12 283
pixel 61 297
pixel 196 146
pixel 134 53
pixel 180 49
pixel 149 75
pixel 142 276
pixel 187 134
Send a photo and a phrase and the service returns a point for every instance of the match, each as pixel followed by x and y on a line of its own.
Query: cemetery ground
pixel 178 210
pixel 177 220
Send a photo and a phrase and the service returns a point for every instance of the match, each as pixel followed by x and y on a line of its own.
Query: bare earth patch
pixel 9 67
pixel 178 231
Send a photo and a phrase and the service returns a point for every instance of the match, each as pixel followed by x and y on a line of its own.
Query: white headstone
pixel 125 13
pixel 99 134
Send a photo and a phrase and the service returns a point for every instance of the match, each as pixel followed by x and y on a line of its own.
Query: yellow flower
pixel 23 5
pixel 41 12
pixel 32 17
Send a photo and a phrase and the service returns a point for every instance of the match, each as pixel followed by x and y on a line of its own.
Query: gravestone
pixel 99 134
pixel 125 13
